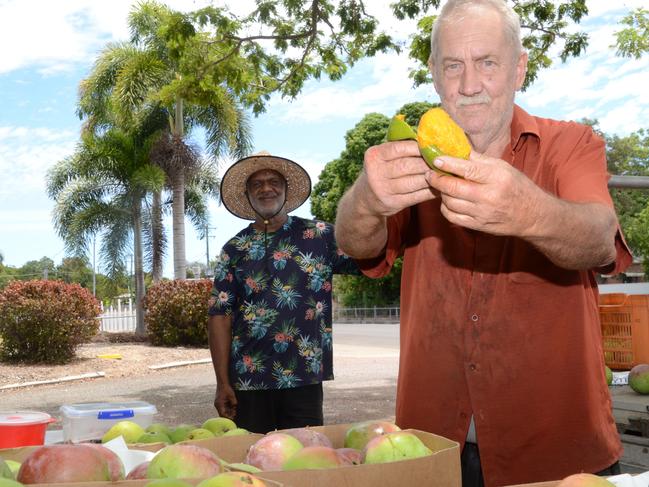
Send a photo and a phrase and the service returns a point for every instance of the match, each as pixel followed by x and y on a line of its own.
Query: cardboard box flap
pixel 139 483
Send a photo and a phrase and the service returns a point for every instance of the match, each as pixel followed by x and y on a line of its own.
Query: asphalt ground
pixel 365 367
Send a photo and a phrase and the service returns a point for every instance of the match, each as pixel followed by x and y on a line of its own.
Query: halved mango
pixel 442 135
pixel 436 135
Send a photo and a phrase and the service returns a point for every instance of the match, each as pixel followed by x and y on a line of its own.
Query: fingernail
pixel 438 162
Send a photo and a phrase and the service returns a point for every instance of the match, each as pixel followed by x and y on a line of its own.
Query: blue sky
pixel 48 47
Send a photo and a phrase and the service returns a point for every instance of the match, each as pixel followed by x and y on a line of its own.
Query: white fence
pixel 119 317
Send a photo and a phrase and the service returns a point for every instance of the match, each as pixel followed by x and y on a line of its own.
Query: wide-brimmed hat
pixel 233 183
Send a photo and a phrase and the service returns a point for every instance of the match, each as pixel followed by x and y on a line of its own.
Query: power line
pixel 208 270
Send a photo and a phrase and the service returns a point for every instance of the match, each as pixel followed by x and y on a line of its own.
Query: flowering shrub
pixel 176 312
pixel 45 321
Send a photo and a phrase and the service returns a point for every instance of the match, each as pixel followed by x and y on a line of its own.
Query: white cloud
pixel 27 153
pixel 56 35
pixel 19 220
pixel 625 118
pixel 47 34
pixel 599 8
pixel 379 84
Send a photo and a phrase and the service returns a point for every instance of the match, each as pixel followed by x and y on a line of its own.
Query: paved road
pixel 365 364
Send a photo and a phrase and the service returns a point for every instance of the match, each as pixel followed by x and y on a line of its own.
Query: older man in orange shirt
pixel 500 340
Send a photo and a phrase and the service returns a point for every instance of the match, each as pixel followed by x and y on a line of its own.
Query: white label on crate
pixel 620 378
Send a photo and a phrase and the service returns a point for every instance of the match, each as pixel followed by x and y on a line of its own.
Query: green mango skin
pixel 430 153
pixel 242 467
pixel 400 130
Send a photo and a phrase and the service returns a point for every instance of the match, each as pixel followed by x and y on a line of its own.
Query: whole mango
pixel 585 480
pixel 639 378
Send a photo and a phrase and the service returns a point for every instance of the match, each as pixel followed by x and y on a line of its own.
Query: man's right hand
pixel 394 177
pixel 225 401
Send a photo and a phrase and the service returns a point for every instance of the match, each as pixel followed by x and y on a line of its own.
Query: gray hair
pixel 511 22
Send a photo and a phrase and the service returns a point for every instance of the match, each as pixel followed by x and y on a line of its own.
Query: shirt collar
pixel 523 124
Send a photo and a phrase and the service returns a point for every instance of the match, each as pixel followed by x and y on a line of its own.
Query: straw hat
pixel 233 183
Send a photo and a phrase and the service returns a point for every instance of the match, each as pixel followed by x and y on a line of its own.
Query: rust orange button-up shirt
pixel 491 328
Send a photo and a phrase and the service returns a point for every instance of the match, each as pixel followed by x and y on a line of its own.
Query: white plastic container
pixel 89 421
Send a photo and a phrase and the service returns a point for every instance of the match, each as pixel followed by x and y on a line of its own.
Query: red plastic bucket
pixel 23 428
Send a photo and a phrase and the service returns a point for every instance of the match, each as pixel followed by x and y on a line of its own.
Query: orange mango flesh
pixel 438 130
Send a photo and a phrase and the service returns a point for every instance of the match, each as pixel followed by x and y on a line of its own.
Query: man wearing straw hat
pixel 270 311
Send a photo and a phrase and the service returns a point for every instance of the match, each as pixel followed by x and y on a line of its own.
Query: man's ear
pixel 431 69
pixel 521 69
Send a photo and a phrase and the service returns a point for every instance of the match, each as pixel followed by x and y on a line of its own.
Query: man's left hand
pixel 491 196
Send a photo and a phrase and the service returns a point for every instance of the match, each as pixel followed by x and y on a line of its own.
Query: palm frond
pixel 96 90
pixel 154 235
pixel 116 245
pixel 142 74
pixel 227 125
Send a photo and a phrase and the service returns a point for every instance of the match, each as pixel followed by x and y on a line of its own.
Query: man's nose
pixel 470 82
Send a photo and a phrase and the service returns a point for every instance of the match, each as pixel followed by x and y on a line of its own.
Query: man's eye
pixel 487 65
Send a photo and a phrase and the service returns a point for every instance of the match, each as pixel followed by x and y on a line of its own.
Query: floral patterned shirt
pixel 277 288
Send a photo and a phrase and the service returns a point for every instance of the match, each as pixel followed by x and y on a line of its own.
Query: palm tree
pixel 145 77
pixel 100 190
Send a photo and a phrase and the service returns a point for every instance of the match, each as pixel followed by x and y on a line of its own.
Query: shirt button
pixel 473 367
pixel 474 318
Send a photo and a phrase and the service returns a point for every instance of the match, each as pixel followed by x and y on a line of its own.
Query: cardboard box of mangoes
pixel 441 468
pixel 441 463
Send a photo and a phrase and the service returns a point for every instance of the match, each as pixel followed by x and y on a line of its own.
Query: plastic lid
pixel 91 409
pixel 15 418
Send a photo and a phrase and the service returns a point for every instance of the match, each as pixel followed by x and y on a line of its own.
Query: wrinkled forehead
pixel 478 36
pixel 264 175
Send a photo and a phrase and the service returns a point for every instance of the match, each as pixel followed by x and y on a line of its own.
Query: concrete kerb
pixel 99 374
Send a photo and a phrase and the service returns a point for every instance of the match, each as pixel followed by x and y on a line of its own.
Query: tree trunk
pixel 178 226
pixel 157 240
pixel 178 206
pixel 138 267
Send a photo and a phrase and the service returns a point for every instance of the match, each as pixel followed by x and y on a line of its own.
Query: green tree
pixel 75 270
pixel 629 156
pixel 337 176
pixel 633 40
pixel 36 269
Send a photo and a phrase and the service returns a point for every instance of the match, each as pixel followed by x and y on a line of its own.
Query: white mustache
pixel 472 100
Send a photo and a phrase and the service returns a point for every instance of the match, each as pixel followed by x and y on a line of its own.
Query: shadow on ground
pixel 187 397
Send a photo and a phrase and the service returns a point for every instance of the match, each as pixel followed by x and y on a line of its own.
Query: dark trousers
pixel 267 410
pixel 472 471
